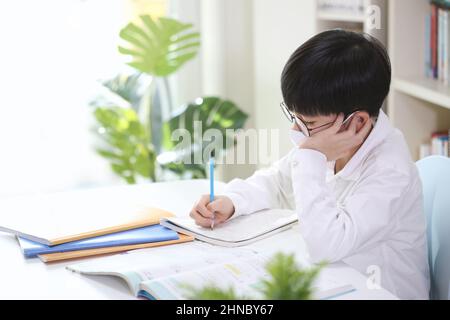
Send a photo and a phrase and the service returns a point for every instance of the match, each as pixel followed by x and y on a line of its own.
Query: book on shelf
pixel 438 145
pixel 168 272
pixel 437 41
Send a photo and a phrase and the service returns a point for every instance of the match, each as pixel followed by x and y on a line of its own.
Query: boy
pixel 350 177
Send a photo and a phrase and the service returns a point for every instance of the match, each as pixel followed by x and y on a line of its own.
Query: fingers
pixel 337 123
pixel 201 208
pixel 215 205
pixel 353 126
pixel 350 131
pixel 354 137
pixel 203 212
pixel 364 131
pixel 200 220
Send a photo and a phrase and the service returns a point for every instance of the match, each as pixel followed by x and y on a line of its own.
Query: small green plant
pixel 287 282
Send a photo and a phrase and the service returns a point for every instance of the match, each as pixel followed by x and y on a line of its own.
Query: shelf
pixel 340 16
pixel 429 90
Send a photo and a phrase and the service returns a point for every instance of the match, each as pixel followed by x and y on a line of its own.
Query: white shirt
pixel 369 215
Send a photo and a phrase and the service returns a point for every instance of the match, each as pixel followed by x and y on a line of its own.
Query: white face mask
pixel 296 137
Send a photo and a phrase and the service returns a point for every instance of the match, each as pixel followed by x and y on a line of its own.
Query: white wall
pixel 280 26
pixel 245 44
pixel 227 61
pixel 187 81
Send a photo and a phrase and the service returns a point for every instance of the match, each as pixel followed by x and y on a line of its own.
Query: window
pixel 53 54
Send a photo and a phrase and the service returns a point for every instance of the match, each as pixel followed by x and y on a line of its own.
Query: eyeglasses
pixel 302 126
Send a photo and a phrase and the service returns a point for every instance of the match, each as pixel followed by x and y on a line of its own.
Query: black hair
pixel 337 71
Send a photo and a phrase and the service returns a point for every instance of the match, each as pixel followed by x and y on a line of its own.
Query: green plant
pixel 157 49
pixel 287 281
pixel 125 143
pixel 209 113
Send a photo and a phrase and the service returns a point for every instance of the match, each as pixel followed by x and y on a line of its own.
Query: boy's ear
pixel 361 119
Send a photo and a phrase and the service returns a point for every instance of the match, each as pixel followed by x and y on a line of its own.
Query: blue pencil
pixel 211 185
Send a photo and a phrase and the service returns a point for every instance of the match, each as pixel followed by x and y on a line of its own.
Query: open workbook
pixel 165 273
pixel 241 231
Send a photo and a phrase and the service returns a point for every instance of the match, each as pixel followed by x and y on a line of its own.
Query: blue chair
pixel 435 175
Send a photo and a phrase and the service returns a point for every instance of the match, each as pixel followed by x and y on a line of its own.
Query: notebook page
pixel 239 229
pixel 150 263
pixel 243 275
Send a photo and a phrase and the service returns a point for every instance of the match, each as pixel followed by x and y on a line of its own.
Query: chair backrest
pixel 435 175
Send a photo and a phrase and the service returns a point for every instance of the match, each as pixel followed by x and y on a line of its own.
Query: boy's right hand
pixel 203 212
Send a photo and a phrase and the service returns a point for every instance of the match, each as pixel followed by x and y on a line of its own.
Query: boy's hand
pixel 204 211
pixel 336 144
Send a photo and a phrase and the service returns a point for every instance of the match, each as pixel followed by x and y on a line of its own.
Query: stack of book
pixel 84 224
pixel 437 48
pixel 439 145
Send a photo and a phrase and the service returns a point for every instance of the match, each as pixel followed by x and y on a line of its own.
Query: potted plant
pixel 129 114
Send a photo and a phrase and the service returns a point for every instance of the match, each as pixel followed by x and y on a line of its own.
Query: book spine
pixel 440 44
pixel 445 33
pixel 440 144
pixel 434 39
pixel 428 67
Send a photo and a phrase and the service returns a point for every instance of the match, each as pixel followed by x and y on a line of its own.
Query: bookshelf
pixel 417 105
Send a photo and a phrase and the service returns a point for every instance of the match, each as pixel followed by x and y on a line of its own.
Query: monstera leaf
pixel 196 118
pixel 159 47
pixel 129 87
pixel 137 91
pixel 126 143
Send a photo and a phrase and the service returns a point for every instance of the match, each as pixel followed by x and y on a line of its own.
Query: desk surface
pixel 32 279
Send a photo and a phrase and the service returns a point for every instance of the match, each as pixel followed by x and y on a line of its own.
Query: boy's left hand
pixel 336 144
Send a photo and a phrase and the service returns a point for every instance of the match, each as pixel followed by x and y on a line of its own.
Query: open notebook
pixel 163 273
pixel 236 232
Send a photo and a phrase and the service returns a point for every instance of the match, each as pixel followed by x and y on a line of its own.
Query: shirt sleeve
pixel 266 188
pixel 335 230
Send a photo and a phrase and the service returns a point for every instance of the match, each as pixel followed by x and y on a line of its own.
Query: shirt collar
pixel 380 131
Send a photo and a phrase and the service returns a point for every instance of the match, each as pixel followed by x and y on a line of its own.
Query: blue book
pixel 154 233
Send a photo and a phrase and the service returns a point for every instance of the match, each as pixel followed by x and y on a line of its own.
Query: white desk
pixel 32 279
